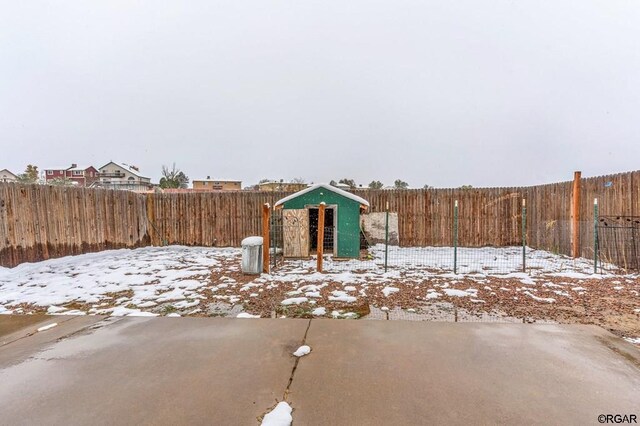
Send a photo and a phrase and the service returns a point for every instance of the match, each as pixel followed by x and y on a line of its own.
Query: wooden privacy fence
pixel 41 222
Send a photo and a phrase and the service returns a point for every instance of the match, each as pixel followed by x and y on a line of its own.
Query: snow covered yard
pixel 198 281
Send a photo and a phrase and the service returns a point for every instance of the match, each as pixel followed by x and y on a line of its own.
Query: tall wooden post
pixel 265 237
pixel 320 235
pixel 151 219
pixel 575 216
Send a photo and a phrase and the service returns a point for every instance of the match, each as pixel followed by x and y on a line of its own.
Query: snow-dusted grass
pixel 152 274
pixel 178 280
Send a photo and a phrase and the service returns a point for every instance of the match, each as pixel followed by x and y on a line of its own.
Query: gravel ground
pixel 186 281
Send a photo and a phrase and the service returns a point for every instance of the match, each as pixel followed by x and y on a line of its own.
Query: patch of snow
pixel 302 351
pixel 252 241
pixel 246 315
pixel 319 311
pixel 389 290
pixel 279 416
pixel 47 327
pixel 456 293
pixel 324 186
pixel 341 296
pixel 142 314
pixel 540 299
pixel 294 301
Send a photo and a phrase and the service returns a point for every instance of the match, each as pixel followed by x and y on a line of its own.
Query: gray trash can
pixel 252 255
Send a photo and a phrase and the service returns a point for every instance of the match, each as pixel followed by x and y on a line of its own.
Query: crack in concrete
pixel 95 326
pixel 285 396
pixel 295 365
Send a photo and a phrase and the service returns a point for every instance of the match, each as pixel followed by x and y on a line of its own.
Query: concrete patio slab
pixel 154 371
pixel 26 340
pixel 11 324
pixel 92 370
pixel 393 372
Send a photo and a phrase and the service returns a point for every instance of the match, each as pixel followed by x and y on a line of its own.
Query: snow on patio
pixel 178 280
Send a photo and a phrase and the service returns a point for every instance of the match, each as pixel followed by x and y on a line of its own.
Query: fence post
pixel 575 216
pixel 595 236
pixel 524 235
pixel 150 214
pixel 320 244
pixel 455 237
pixel 386 238
pixel 274 233
pixel 266 210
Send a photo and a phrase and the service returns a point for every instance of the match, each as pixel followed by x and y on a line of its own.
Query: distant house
pixel 282 186
pixel 84 175
pixel 209 184
pixel 78 175
pixel 53 173
pixel 7 176
pixel 123 176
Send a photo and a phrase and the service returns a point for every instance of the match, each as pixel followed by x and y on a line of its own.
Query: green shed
pixel 341 221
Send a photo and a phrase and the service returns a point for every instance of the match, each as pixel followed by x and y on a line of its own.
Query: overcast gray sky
pixel 446 93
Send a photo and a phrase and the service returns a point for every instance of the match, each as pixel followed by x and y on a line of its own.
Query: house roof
pixel 217 180
pixel 127 168
pixel 8 171
pixel 327 187
pixel 270 182
pixel 80 167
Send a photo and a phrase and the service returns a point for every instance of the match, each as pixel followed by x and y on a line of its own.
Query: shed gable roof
pixel 328 188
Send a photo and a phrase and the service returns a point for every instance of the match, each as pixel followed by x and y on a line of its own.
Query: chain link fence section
pixel 455 258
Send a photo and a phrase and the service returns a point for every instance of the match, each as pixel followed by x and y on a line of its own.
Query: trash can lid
pixel 252 241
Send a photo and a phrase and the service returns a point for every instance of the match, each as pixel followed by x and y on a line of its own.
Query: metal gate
pixel 618 241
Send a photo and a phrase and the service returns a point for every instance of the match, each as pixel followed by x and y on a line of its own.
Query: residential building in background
pixel 83 175
pixel 282 186
pixel 209 184
pixel 7 176
pixel 53 173
pixel 123 176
